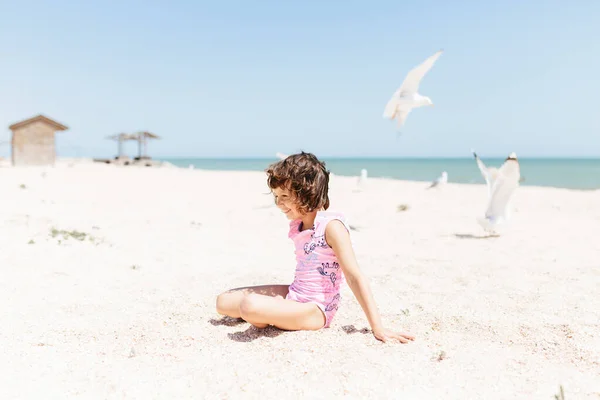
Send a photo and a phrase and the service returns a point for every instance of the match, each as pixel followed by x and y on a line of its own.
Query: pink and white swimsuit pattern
pixel 318 274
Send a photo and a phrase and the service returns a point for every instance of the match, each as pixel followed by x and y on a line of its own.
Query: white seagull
pixel 406 97
pixel 440 180
pixel 502 184
pixel 281 156
pixel 488 173
pixel 362 179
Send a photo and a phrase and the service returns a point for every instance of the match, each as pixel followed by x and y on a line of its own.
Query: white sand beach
pixel 129 311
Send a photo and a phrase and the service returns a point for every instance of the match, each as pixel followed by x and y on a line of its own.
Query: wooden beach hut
pixel 33 141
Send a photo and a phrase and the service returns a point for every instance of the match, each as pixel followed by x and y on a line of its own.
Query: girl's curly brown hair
pixel 305 177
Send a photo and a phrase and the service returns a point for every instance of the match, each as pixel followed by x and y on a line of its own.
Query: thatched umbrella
pixel 120 138
pixel 142 138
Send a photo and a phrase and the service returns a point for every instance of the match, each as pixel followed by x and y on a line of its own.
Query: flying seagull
pixel 501 186
pixel 407 97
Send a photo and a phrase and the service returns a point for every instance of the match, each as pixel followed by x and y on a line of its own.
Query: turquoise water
pixel 560 172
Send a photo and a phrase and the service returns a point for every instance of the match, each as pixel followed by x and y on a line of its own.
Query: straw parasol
pixel 120 138
pixel 142 138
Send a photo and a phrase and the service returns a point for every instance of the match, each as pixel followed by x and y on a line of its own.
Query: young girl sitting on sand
pixel 324 255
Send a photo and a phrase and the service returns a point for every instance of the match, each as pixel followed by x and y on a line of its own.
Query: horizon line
pixel 380 157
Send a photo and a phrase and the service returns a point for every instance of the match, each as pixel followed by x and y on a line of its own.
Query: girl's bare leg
pixel 228 303
pixel 261 311
pixel 266 305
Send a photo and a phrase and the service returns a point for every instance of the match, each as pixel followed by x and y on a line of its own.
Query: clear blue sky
pixel 240 78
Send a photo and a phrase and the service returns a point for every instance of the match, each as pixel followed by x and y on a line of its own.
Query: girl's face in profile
pixel 286 203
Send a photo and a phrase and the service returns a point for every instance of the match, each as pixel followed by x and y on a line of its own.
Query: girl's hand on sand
pixel 384 335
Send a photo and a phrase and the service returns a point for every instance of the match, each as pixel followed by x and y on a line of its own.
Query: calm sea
pixel 560 172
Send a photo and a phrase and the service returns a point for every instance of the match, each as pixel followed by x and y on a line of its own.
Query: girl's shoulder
pixel 324 217
pixel 321 221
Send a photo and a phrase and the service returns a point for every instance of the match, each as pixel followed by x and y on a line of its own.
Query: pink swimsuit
pixel 318 273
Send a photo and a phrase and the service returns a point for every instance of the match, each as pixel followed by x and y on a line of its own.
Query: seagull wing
pixel 401 116
pixel 413 78
pixel 503 188
pixel 492 175
pixel 489 174
pixel 391 108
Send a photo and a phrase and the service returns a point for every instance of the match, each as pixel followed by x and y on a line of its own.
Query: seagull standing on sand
pixel 502 184
pixel 362 179
pixel 440 180
pixel 406 97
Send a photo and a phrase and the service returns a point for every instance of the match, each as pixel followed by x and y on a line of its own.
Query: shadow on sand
pixel 471 236
pixel 250 334
pixel 349 329
pixel 253 333
pixel 226 321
